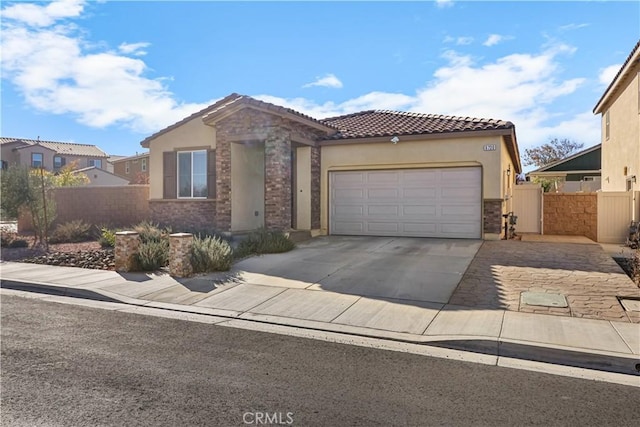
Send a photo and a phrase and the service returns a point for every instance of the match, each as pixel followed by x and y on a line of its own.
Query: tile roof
pixel 61 147
pixel 618 75
pixel 373 123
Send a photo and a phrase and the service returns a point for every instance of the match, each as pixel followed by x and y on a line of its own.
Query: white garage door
pixel 438 202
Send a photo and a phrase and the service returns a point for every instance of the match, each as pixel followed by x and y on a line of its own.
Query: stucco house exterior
pixel 579 172
pixel 241 164
pixel 52 155
pixel 619 108
pixel 133 168
pixel 101 178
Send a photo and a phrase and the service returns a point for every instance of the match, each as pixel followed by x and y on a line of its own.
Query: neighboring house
pixel 134 168
pixel 578 172
pixel 101 177
pixel 620 110
pixel 110 160
pixel 51 155
pixel 241 164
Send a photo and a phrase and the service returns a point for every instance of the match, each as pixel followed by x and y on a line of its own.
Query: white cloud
pixel 43 16
pixel 444 3
pixel 571 27
pixel 50 67
pixel 494 39
pixel 329 80
pixel 133 48
pixel 460 41
pixel 608 73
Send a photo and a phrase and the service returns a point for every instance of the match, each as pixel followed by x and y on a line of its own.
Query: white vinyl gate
pixel 436 202
pixel 526 204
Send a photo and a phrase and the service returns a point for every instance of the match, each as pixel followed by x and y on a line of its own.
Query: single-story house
pixel 51 155
pixel 577 172
pixel 241 164
pixel 100 177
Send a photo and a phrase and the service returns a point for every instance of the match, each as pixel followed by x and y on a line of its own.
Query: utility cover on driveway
pixel 544 299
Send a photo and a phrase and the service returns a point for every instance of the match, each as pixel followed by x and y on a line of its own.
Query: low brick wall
pixel 116 206
pixel 183 215
pixel 571 214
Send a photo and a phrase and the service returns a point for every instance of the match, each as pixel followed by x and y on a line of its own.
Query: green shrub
pixel 264 242
pixel 71 232
pixel 150 232
pixel 206 232
pixel 210 254
pixel 153 254
pixel 107 237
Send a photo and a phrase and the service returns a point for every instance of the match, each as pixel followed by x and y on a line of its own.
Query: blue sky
pixel 111 73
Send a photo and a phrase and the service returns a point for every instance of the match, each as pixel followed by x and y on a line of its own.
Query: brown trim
pixel 184 200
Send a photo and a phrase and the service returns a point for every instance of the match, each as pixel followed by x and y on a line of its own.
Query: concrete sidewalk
pixel 587 343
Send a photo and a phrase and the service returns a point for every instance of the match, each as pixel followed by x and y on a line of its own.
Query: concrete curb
pixel 613 362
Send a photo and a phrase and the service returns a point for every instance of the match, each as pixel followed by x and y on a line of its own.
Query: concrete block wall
pixel 570 214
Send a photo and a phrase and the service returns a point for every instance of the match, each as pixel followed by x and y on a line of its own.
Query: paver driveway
pixel 415 269
pixel 590 280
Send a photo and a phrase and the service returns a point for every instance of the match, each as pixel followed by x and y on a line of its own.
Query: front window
pixel 143 165
pixel 58 162
pixel 192 174
pixel 95 162
pixel 36 160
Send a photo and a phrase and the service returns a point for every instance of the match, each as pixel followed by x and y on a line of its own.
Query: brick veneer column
pixel 180 254
pixel 127 244
pixel 223 182
pixel 277 180
pixel 493 216
pixel 315 188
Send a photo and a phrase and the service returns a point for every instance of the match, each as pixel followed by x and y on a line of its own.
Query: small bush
pixel 150 232
pixel 210 254
pixel 264 242
pixel 107 237
pixel 153 254
pixel 19 243
pixel 207 232
pixel 71 232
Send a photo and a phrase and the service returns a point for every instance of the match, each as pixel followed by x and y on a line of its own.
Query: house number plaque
pixel 489 147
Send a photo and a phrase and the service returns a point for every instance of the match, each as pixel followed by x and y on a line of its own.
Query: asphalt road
pixel 65 365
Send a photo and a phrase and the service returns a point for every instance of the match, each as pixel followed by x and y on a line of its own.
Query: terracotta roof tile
pixel 373 123
pixel 61 147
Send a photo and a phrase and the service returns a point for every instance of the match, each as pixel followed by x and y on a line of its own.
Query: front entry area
pixel 433 202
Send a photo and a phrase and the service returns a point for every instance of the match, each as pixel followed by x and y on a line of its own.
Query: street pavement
pixel 65 365
pixel 307 289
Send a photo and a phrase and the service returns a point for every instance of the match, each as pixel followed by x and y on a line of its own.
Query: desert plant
pixel 71 232
pixel 107 237
pixel 19 243
pixel 150 232
pixel 264 242
pixel 152 255
pixel 210 254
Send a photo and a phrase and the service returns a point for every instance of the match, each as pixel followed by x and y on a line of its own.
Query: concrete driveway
pixel 416 269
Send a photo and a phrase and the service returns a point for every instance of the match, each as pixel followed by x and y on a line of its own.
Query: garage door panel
pixel 383 193
pixel 438 202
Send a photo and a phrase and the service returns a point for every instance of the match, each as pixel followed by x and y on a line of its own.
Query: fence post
pixel 127 244
pixel 180 254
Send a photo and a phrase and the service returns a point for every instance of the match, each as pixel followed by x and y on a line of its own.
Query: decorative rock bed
pixel 101 259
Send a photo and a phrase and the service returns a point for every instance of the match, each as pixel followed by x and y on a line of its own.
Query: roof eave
pixel 632 60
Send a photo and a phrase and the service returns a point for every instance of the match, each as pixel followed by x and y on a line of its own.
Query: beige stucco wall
pixel 303 190
pixel 506 181
pixel 416 154
pixel 623 146
pixel 23 155
pixel 247 186
pixel 98 177
pixel 190 135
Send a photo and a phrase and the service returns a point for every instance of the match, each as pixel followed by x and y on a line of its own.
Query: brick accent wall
pixel 117 206
pixel 180 254
pixel 277 180
pixel 571 214
pixel 223 182
pixel 182 215
pixel 315 188
pixel 492 216
pixel 126 248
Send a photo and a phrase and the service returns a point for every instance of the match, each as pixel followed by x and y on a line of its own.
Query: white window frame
pixel 607 125
pixel 57 157
pixel 126 167
pixel 178 174
pixel 41 160
pixel 143 165
pixel 92 162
